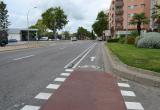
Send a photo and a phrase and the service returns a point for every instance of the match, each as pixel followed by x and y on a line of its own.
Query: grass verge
pixel 148 59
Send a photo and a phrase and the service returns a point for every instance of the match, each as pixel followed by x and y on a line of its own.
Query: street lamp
pixel 28 21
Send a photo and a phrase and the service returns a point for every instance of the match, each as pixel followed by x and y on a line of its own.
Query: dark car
pixel 3 38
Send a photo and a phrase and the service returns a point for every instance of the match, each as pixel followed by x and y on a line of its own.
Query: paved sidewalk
pixel 87 90
pixel 24 46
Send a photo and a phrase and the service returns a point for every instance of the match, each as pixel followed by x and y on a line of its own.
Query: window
pixel 132 7
pixel 142 5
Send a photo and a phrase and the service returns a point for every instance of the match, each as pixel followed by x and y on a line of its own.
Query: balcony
pixel 118 18
pixel 119 26
pixel 119 12
pixel 119 3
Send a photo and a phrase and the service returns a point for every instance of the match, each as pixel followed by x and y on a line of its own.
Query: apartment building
pixel 122 11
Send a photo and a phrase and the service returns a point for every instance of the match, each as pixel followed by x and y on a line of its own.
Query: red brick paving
pixel 87 90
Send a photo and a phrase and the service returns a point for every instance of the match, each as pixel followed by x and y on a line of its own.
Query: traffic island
pixel 142 76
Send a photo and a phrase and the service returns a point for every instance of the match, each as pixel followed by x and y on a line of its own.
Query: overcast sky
pixel 79 12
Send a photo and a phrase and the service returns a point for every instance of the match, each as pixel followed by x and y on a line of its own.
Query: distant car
pixel 74 39
pixel 99 39
pixel 3 38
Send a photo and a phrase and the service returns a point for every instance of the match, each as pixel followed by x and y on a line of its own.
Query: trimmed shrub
pixel 150 40
pixel 122 40
pixel 113 40
pixel 136 40
pixel 134 33
pixel 130 40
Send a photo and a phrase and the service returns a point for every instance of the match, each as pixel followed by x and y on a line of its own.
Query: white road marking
pixel 83 56
pixel 93 58
pixel 53 86
pixel 123 85
pixel 69 70
pixel 60 79
pixel 134 106
pixel 23 57
pixel 65 74
pixel 44 96
pixel 30 107
pixel 128 93
pixel 77 57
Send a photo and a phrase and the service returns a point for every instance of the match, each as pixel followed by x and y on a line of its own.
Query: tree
pixel 55 19
pixel 83 33
pixel 42 28
pixel 67 35
pixel 4 23
pixel 101 23
pixel 139 19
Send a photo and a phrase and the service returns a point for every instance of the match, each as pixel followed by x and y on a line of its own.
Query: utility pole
pixel 28 23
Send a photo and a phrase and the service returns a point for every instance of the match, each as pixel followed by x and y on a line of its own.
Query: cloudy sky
pixel 79 12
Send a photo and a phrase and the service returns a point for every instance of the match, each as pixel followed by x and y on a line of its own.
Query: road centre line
pixel 84 56
pixel 23 57
pixel 78 56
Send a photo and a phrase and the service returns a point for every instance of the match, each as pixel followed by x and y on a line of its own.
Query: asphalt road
pixel 25 73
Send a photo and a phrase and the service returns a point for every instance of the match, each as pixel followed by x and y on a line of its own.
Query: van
pixel 3 38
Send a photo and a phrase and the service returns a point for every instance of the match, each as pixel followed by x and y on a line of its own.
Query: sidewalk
pixel 87 90
pixel 12 47
pixel 144 77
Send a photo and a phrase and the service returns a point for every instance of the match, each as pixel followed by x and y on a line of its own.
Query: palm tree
pixel 139 19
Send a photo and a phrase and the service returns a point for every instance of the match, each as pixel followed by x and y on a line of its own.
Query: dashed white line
pixel 23 57
pixel 53 86
pixel 44 96
pixel 123 85
pixel 134 106
pixel 69 70
pixel 65 74
pixel 128 93
pixel 30 107
pixel 60 79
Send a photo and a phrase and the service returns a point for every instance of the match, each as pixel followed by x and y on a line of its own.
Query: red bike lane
pixel 87 90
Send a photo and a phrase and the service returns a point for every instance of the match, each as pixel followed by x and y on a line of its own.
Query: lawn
pixel 138 57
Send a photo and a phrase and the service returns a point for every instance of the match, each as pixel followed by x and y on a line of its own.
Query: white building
pixel 22 34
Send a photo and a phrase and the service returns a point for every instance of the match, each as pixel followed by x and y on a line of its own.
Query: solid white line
pixel 123 85
pixel 83 57
pixel 53 86
pixel 128 93
pixel 77 57
pixel 44 96
pixel 69 70
pixel 65 74
pixel 30 107
pixel 60 79
pixel 23 57
pixel 134 106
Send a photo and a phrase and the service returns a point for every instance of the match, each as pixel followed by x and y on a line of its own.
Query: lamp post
pixel 28 21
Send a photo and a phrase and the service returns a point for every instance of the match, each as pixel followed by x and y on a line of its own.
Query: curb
pixel 141 76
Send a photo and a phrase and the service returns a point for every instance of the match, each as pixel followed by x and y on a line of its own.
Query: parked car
pixel 3 38
pixel 12 40
pixel 44 39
